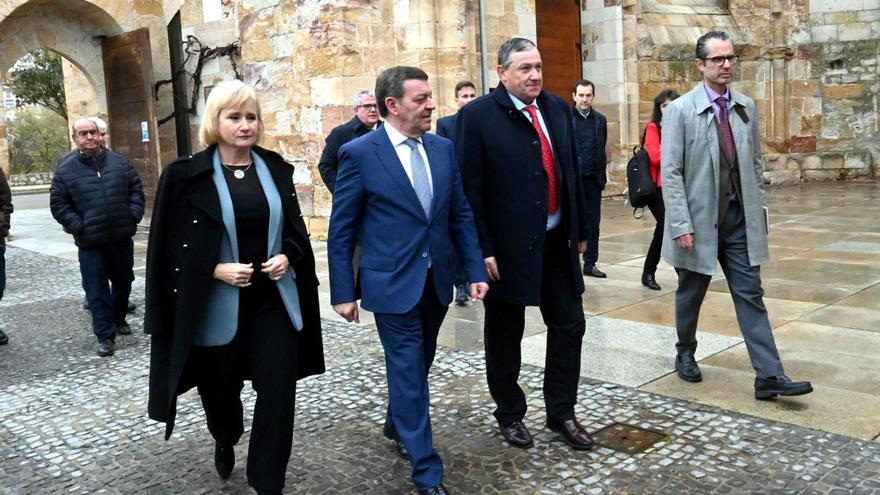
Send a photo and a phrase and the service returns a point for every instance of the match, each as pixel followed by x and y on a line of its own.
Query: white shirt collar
pixel 397 137
pixel 519 103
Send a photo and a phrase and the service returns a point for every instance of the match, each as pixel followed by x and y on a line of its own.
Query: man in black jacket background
pixel 366 119
pixel 5 213
pixel 97 197
pixel 591 134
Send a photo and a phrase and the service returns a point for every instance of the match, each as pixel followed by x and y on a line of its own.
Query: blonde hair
pixel 232 94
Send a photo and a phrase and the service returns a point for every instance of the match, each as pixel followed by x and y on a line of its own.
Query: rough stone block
pixel 855 31
pixel 822 175
pixel 857 160
pixel 782 177
pixel 824 34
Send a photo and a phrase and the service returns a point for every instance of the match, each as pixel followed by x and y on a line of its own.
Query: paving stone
pixel 75 423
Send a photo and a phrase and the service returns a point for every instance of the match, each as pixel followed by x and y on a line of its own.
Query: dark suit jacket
pixel 328 166
pixel 374 197
pixel 591 134
pixel 499 153
pixel 446 126
pixel 182 252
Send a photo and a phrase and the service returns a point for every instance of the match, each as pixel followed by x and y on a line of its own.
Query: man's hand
pixel 348 310
pixel 685 241
pixel 492 268
pixel 479 290
pixel 582 247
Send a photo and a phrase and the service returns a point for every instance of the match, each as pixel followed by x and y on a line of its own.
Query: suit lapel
pixel 284 184
pixel 388 158
pixel 437 163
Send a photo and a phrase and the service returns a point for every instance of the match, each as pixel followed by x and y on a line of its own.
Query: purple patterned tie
pixel 725 127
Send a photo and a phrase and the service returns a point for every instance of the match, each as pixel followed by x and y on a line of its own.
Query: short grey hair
pixel 80 120
pixel 511 46
pixel 702 52
pixel 359 97
pixel 102 126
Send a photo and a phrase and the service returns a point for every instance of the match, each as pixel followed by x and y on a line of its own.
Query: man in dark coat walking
pixel 5 213
pixel 591 134
pixel 97 196
pixel 517 154
pixel 366 119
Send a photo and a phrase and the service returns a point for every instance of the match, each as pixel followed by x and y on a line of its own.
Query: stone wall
pixel 810 66
pixel 39 179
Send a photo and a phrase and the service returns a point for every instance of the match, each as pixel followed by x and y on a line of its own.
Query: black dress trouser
pixel 659 211
pixel 563 313
pixel 265 349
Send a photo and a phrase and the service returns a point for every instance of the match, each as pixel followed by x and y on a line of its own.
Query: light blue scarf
pixel 219 320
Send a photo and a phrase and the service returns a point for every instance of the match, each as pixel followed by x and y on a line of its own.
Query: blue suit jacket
pixel 375 198
pixel 446 126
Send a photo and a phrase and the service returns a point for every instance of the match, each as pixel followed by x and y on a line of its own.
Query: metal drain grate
pixel 627 438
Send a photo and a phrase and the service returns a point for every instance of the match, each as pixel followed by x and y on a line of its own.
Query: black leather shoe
pixel 106 347
pixel 767 388
pixel 687 368
pixel 573 433
pixel 390 434
pixel 434 490
pixel 131 307
pixel 224 460
pixel 123 329
pixel 263 491
pixel 3 338
pixel 649 281
pixel 517 435
pixel 461 295
pixel 592 271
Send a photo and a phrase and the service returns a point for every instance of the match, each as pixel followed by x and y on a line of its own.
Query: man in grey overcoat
pixel 712 169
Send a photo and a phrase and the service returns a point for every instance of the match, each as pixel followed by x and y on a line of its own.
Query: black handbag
pixel 642 189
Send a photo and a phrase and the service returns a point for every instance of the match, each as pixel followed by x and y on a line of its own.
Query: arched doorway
pixel 117 64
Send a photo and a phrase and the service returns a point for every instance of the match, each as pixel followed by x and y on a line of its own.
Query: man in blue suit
pixel 465 92
pixel 400 188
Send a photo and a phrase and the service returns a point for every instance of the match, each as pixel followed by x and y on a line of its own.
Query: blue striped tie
pixel 420 176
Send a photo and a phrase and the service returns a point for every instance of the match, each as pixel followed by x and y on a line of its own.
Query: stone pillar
pixel 603 44
pixel 4 144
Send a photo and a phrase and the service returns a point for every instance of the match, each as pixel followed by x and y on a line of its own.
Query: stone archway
pixel 76 30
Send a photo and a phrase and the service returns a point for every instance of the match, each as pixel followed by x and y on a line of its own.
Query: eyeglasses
pixel 719 60
pixel 368 106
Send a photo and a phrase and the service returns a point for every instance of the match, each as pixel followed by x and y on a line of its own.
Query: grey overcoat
pixel 689 164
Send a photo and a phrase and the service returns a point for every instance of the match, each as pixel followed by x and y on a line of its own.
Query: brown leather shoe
pixel 517 435
pixel 573 433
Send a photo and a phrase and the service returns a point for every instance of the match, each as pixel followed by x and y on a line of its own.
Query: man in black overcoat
pixel 517 155
pixel 366 119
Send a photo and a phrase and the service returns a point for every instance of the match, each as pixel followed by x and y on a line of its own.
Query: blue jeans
pixel 106 277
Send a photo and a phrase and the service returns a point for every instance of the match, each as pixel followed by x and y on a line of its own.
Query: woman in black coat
pixel 231 289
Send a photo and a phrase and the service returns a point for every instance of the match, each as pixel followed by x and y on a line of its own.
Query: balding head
pixel 86 136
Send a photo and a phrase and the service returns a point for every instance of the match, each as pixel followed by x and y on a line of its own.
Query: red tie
pixel 547 158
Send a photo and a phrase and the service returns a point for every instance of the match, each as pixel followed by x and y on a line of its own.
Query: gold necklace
pixel 237 173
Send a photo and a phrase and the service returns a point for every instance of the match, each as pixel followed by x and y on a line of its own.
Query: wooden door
pixel 559 40
pixel 128 78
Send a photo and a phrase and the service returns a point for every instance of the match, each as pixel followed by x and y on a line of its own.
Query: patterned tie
pixel 547 159
pixel 725 127
pixel 420 176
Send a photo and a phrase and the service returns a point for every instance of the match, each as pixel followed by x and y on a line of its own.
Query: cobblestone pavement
pixel 75 423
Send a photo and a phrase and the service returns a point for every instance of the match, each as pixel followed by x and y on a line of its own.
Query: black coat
pixel 499 154
pixel 328 166
pixel 5 205
pixel 99 200
pixel 591 135
pixel 184 245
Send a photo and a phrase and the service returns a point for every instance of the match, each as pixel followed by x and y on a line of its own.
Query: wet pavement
pixel 76 423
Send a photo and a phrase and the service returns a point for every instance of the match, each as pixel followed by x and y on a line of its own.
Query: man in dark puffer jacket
pixel 97 196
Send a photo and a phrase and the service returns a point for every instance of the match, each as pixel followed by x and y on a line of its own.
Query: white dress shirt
pixel 404 151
